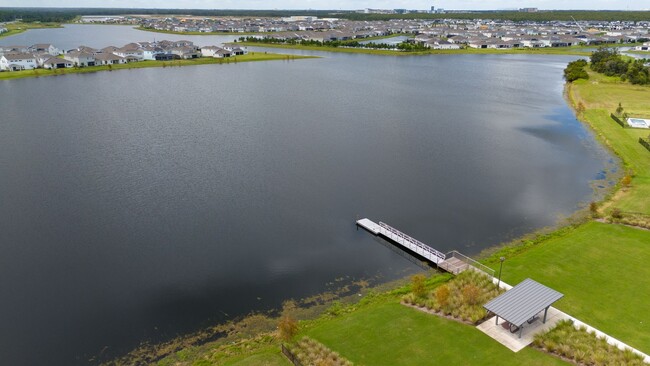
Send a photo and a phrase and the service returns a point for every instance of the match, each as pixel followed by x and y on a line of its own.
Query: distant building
pixel 528 10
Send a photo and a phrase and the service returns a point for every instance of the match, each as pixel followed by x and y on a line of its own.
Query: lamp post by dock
pixel 500 269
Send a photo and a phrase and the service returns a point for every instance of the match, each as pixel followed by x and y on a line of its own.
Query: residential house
pixel 150 53
pixel 57 63
pixel 222 53
pixel 45 48
pixel 80 59
pixel 441 44
pixel 17 61
pixel 210 51
pixel 643 47
pixel 235 50
pixel 185 52
pixel 130 54
pixel 13 49
pixel 108 59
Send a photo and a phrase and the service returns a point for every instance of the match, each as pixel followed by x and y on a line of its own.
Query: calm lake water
pixel 142 204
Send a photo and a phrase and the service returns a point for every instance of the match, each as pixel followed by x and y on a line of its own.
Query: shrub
pixel 593 208
pixel 626 181
pixel 442 295
pixel 471 294
pixel 584 347
pixel 617 214
pixel 288 328
pixel 417 285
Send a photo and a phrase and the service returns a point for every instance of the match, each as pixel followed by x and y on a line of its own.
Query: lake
pixel 142 204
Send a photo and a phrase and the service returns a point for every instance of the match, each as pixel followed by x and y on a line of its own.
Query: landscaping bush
pixel 287 327
pixel 462 297
pixel 417 285
pixel 311 352
pixel 584 347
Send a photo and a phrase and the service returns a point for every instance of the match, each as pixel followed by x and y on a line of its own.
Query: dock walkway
pixel 453 262
pixel 404 240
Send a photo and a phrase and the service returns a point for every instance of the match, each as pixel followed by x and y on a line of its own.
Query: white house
pixel 151 52
pixel 643 47
pixel 185 52
pixel 222 53
pixel 80 59
pixel 441 44
pixel 57 63
pixel 130 54
pixel 236 50
pixel 210 51
pixel 108 59
pixel 46 48
pixel 17 61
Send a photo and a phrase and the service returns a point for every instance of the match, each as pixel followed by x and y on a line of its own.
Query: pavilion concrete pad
pixel 512 340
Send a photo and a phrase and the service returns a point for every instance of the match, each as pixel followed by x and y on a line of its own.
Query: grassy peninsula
pixel 19 27
pixel 252 56
pixel 598 263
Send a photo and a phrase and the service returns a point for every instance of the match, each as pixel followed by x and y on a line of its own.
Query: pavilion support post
pixel 545 312
pixel 521 330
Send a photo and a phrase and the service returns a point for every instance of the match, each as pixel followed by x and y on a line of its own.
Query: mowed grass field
pixel 389 333
pixel 601 96
pixel 603 272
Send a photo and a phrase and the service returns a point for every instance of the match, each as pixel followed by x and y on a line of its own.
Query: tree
pixel 619 109
pixel 417 285
pixel 576 70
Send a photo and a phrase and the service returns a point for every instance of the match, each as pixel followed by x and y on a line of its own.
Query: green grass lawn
pixel 252 56
pixel 601 95
pixel 270 356
pixel 388 333
pixel 603 272
pixel 536 51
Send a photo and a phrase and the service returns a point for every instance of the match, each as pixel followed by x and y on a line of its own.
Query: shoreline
pixel 466 51
pixel 250 57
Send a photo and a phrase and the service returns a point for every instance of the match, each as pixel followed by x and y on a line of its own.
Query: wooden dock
pixel 453 262
pixel 398 237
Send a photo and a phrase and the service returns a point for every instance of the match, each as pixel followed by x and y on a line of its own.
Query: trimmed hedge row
pixel 618 120
pixel 645 143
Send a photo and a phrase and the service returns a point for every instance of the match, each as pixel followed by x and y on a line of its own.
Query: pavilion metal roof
pixel 523 301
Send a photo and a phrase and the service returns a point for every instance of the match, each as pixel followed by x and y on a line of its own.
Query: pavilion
pixel 522 303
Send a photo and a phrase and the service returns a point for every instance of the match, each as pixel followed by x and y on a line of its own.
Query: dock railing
pixel 471 263
pixel 423 247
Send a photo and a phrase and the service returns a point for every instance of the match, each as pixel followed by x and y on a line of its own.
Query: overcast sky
pixel 339 4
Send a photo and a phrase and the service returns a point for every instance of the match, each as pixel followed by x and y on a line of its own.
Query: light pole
pixel 500 269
